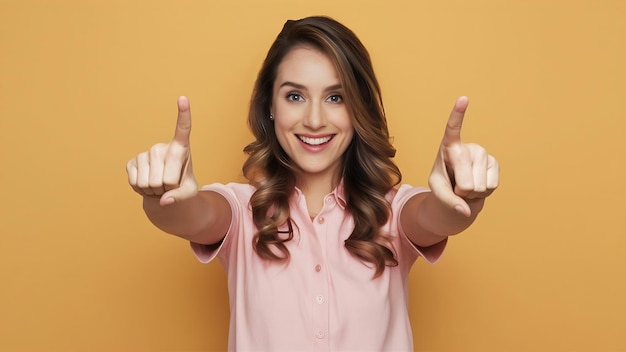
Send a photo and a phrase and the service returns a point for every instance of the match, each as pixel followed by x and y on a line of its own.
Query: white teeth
pixel 314 141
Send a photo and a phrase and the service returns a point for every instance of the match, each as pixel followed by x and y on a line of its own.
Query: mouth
pixel 315 141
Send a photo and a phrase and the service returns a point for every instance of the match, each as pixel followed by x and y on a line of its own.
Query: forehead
pixel 307 65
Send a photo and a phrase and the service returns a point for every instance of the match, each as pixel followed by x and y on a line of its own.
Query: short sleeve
pixel 206 253
pixel 431 253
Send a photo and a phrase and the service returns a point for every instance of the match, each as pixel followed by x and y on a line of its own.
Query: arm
pixel 203 219
pixel 164 177
pixel 463 176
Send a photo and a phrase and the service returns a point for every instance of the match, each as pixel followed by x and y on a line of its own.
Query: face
pixel 311 119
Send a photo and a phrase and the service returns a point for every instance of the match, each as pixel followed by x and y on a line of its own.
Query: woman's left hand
pixel 464 174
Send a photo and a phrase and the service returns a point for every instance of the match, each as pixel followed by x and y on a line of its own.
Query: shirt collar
pixel 338 193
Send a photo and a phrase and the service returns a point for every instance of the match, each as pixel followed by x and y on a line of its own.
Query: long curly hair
pixel 367 169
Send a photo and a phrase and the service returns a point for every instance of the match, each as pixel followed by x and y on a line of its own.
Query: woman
pixel 318 245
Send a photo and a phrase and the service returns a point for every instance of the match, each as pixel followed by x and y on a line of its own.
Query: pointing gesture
pixel 463 174
pixel 183 123
pixel 165 171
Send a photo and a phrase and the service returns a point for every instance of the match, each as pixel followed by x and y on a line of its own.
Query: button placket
pixel 320 291
pixel 320 304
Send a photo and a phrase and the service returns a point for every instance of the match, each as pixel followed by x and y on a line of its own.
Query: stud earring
pixel 271 117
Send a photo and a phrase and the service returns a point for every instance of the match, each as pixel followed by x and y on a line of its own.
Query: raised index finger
pixel 183 123
pixel 452 133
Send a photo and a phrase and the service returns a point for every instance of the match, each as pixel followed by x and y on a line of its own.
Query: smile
pixel 315 141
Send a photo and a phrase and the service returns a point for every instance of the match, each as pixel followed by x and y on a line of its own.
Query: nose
pixel 315 117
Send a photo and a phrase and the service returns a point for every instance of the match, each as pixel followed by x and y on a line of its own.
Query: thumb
pixel 185 191
pixel 442 189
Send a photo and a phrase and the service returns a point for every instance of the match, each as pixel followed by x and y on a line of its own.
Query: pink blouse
pixel 324 299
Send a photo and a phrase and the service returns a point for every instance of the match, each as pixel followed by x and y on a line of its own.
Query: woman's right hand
pixel 165 171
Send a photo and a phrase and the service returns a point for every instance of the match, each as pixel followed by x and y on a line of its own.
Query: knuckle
pixel 158 191
pixel 146 191
pixel 169 187
pixel 170 184
pixel 142 156
pixel 464 186
pixel 157 150
pixel 177 153
pixel 131 165
pixel 493 163
pixel 480 188
pixel 464 181
pixel 155 183
pixel 478 149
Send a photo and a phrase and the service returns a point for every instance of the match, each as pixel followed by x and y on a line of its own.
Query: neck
pixel 322 183
pixel 315 188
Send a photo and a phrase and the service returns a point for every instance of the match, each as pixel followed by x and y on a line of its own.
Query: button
pixel 318 268
pixel 319 299
pixel 321 219
pixel 320 334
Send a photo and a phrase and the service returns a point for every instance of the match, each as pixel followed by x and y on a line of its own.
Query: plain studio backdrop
pixel 86 85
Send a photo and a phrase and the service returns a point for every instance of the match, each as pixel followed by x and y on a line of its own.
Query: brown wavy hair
pixel 367 169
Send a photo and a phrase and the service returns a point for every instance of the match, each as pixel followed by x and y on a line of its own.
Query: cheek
pixel 348 127
pixel 351 134
pixel 285 118
pixel 282 123
pixel 345 124
pixel 348 140
pixel 282 131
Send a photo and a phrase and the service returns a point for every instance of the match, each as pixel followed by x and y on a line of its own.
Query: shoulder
pixel 400 194
pixel 233 192
pixel 234 186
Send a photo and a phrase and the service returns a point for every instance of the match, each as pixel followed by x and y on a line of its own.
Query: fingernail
pixel 168 201
pixel 459 209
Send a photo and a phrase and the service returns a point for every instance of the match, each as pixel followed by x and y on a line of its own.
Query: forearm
pixel 426 220
pixel 203 218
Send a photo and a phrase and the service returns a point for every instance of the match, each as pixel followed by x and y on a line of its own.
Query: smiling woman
pixel 311 121
pixel 318 245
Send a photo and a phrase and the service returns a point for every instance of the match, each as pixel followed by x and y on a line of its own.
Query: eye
pixel 335 99
pixel 294 97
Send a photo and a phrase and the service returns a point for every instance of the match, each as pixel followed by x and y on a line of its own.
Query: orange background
pixel 85 85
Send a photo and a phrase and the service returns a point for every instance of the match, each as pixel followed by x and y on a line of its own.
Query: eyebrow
pixel 303 87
